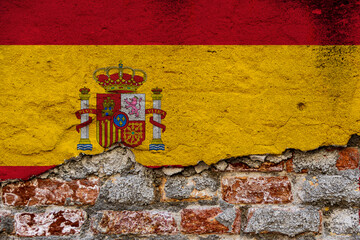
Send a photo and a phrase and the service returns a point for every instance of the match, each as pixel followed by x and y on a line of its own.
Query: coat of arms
pixel 120 112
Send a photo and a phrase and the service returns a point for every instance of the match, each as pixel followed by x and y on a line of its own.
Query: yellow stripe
pixel 221 101
pixel 114 131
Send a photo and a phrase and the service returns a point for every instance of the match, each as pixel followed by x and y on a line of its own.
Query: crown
pixel 115 79
pixel 84 90
pixel 156 90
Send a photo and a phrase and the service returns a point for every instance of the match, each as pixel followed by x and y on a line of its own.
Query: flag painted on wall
pixel 238 77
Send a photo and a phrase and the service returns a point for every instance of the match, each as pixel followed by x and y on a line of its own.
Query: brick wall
pixel 296 195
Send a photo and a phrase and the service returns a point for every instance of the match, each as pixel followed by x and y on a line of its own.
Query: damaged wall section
pixel 296 195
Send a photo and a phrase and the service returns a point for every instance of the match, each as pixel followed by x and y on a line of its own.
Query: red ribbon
pixel 84 111
pixel 157 111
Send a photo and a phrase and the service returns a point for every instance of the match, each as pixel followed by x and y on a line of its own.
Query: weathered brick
pixel 62 222
pixel 238 190
pixel 51 192
pixel 348 159
pixel 132 189
pixel 288 221
pixel 135 222
pixel 209 220
pixel 264 167
pixel 330 189
pixel 188 189
pixel 343 221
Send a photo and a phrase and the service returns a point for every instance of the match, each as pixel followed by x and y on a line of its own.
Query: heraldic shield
pixel 120 111
pixel 120 117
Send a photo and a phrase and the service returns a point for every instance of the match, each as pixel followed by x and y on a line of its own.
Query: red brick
pixel 60 223
pixel 265 167
pixel 289 165
pixel 244 190
pixel 51 192
pixel 348 159
pixel 202 221
pixel 135 222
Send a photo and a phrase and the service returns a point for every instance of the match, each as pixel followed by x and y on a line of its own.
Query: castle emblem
pixel 120 112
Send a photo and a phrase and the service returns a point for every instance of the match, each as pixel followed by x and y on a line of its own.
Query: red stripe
pixel 204 22
pixel 111 134
pixel 100 133
pixel 106 134
pixel 22 172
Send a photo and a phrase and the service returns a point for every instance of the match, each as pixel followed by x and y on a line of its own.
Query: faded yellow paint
pixel 222 101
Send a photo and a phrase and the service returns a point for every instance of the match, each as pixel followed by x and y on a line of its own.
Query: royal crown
pixel 114 79
pixel 84 90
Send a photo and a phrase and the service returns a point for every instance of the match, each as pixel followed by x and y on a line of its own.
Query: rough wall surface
pixel 231 100
pixel 310 195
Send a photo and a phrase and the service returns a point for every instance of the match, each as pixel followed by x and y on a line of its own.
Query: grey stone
pixel 171 171
pixel 202 183
pixel 188 171
pixel 260 158
pixel 114 161
pixel 318 161
pixel 201 166
pixel 288 221
pixel 221 166
pixel 278 158
pixel 249 162
pixel 344 221
pixel 211 237
pixel 329 189
pixel 227 218
pixel 6 221
pixel 136 189
pixel 178 188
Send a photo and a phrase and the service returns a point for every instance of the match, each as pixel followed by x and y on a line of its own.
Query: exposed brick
pixel 188 189
pixel 135 222
pixel 348 159
pixel 244 190
pixel 289 165
pixel 62 222
pixel 51 192
pixel 264 167
pixel 204 221
pixel 288 221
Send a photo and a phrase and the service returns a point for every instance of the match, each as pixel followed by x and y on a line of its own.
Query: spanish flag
pixel 237 77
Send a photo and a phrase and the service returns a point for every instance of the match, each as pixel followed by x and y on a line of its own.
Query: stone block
pixel 343 221
pixel 287 221
pixel 132 189
pixel 211 220
pixel 134 222
pixel 256 190
pixel 330 189
pixel 348 159
pixel 188 189
pixel 60 223
pixel 264 167
pixel 318 161
pixel 52 192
